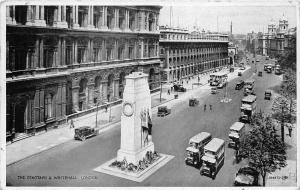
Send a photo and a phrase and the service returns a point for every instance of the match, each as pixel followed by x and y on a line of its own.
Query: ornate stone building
pixel 186 54
pixel 62 60
pixel 277 38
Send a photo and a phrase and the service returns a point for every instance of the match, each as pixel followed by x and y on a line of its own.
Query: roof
pixel 214 144
pixel 249 81
pixel 249 98
pixel 200 137
pixel 208 159
pixel 192 149
pixel 220 73
pixel 237 126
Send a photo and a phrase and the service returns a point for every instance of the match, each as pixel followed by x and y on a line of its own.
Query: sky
pixel 245 19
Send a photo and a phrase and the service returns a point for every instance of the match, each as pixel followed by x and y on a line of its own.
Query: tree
pixel 261 146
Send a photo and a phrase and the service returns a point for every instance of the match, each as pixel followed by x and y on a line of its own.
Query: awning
pixel 209 159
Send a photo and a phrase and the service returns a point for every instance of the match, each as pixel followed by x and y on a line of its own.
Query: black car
pixel 163 111
pixel 239 74
pixel 240 85
pixel 260 74
pixel 82 133
pixel 246 176
pixel 179 88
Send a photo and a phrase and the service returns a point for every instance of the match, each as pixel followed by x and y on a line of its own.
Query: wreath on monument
pixel 149 159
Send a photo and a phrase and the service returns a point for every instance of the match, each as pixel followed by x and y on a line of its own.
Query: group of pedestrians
pixel 210 107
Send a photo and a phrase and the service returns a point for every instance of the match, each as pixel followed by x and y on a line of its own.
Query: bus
pixel 218 78
pixel 248 108
pixel 213 159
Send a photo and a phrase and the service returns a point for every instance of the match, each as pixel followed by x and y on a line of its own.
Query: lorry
pixel 194 151
pixel 236 132
pixel 248 108
pixel 213 158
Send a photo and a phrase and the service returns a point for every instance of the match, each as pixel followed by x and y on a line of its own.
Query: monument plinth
pixel 136 159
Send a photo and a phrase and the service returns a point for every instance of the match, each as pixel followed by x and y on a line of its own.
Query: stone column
pixel 41 52
pixel 75 17
pixel 59 23
pixel 75 98
pixel 104 19
pixel 63 100
pixel 146 25
pixel 58 55
pixel 91 17
pixel 29 16
pixel 58 102
pixel 116 88
pixel 116 19
pixel 36 53
pixel 75 51
pixel 104 89
pixel 8 16
pixel 141 48
pixel 42 21
pixel 90 95
pixel 36 115
pixel 103 57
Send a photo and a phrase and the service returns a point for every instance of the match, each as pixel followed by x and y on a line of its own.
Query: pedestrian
pixel 210 107
pixel 168 92
pixel 290 130
pixel 204 107
pixel 171 88
pixel 106 108
pixel 72 124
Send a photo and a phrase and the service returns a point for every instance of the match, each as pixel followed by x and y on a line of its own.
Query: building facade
pixel 274 42
pixel 63 60
pixel 186 54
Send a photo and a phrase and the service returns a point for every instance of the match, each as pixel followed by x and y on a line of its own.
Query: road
pixel 170 136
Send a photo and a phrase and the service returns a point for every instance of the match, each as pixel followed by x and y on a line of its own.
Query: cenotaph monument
pixel 136 159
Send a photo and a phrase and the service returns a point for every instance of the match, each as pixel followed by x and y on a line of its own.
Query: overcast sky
pixel 244 19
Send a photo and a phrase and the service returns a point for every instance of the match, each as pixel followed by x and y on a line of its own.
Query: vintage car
pixel 246 176
pixel 242 68
pixel 260 74
pixel 179 88
pixel 163 111
pixel 84 132
pixel 231 69
pixel 214 90
pixel 239 85
pixel 268 95
pixel 193 102
pixel 239 73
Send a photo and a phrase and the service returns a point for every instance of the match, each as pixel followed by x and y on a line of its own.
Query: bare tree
pixel 261 146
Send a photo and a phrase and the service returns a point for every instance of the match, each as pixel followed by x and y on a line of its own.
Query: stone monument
pixel 136 115
pixel 136 159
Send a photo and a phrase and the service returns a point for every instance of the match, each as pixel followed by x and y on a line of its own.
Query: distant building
pixel 233 53
pixel 277 39
pixel 185 54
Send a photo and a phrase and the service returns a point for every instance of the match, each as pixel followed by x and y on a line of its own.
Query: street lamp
pixel 97 115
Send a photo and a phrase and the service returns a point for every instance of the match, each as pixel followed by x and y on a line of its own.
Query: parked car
pixel 246 176
pixel 163 111
pixel 84 132
pixel 193 102
pixel 239 85
pixel 179 88
pixel 260 74
pixel 239 73
pixel 231 69
pixel 242 68
pixel 268 94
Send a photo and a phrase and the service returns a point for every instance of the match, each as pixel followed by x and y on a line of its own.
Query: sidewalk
pixel 106 120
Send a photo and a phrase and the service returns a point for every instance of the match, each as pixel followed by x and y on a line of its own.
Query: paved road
pixel 170 135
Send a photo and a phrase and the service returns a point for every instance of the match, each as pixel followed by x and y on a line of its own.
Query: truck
pixel 236 132
pixel 248 108
pixel 213 158
pixel 194 151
